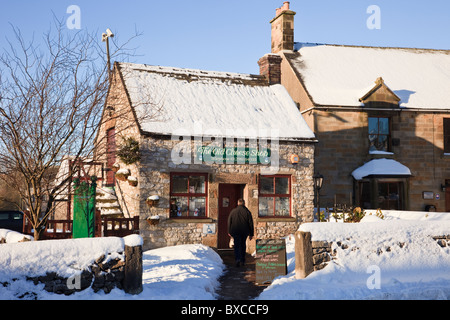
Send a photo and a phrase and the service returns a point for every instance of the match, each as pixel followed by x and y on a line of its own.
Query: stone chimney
pixel 283 29
pixel 270 67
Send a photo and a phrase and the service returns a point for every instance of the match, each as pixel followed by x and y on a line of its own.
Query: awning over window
pixel 381 167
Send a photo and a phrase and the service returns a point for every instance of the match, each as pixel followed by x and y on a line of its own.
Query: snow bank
pixel 408 262
pixel 13 236
pixel 65 257
pixel 184 272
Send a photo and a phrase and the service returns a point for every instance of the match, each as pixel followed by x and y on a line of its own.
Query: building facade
pixel 368 105
pixel 205 140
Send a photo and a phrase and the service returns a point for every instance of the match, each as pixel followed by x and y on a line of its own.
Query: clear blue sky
pixel 232 35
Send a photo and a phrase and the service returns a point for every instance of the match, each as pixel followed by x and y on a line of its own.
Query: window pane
pixel 4 216
pixel 282 185
pixel 384 125
pixel 179 184
pixel 197 184
pixel 197 207
pixel 265 206
pixel 373 125
pixel 266 184
pixel 382 143
pixel 373 142
pixel 179 206
pixel 17 216
pixel 282 207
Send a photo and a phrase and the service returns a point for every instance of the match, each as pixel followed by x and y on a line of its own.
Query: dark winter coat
pixel 240 222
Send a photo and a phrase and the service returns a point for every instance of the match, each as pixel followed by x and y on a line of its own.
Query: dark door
pixel 447 195
pixel 228 197
pixel 110 156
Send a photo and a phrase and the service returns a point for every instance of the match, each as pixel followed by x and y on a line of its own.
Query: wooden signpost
pixel 270 260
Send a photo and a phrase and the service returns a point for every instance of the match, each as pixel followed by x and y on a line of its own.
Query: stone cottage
pixel 381 115
pixel 182 146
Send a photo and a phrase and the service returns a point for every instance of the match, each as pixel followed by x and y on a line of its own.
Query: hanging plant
pixel 129 152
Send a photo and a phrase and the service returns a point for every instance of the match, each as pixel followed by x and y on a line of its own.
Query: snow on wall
pixel 13 237
pixel 404 249
pixel 64 257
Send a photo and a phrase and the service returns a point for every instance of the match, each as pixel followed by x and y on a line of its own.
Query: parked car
pixel 11 220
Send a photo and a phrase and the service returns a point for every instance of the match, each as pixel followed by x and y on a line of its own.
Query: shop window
pixel 379 134
pixel 188 195
pixel 275 196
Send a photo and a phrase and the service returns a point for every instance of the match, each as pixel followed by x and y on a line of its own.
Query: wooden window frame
pixel 378 134
pixel 276 195
pixel 189 195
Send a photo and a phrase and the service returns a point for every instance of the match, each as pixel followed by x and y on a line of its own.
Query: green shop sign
pixel 210 154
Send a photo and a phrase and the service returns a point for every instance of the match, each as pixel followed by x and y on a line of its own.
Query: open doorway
pixel 228 197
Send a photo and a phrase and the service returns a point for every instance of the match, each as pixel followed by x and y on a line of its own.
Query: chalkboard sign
pixel 270 260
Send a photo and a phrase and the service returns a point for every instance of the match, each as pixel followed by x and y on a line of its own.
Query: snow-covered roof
pixel 381 167
pixel 341 75
pixel 207 103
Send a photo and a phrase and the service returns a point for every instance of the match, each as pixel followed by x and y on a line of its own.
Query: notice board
pixel 270 260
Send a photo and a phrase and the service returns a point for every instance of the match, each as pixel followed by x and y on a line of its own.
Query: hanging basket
pixel 122 174
pixel 132 181
pixel 152 200
pixel 116 167
pixel 153 220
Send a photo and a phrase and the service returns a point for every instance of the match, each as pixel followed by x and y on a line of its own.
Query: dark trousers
pixel 240 247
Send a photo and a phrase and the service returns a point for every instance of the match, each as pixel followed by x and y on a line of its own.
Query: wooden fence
pixel 104 227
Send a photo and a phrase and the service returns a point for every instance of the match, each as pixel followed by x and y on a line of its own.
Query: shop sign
pixel 210 154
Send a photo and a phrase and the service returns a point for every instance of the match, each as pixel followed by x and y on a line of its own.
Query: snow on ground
pixel 395 258
pixel 397 253
pixel 185 272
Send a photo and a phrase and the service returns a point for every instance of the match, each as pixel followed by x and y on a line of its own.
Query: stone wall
pixel 312 256
pixel 123 272
pixel 154 179
pixel 417 142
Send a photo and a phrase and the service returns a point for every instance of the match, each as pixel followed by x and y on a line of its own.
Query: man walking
pixel 240 226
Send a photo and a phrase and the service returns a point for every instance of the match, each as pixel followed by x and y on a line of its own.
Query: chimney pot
pixel 283 29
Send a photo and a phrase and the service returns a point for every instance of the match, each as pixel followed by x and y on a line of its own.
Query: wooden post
pixel 303 255
pixel 132 282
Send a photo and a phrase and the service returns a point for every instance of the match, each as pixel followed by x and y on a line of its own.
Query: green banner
pixel 211 154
